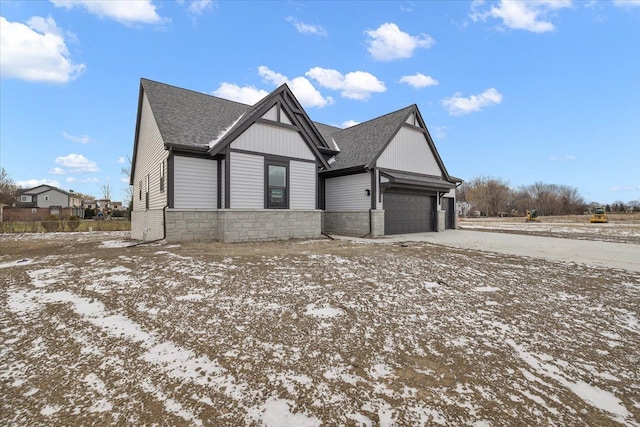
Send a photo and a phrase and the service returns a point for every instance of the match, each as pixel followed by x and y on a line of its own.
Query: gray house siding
pixel 409 151
pixel 347 193
pixel 147 222
pixel 303 185
pixel 195 183
pixel 247 181
pixel 348 207
pixel 52 198
pixel 273 140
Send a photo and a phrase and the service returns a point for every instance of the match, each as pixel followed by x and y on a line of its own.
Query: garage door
pixel 408 212
pixel 450 212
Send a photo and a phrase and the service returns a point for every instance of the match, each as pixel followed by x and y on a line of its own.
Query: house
pixel 105 207
pixel 35 204
pixel 206 168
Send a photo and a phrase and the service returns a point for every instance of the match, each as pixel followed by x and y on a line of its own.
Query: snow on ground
pixel 312 333
pixel 611 232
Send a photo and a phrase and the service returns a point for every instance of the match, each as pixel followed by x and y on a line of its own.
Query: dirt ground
pixel 307 333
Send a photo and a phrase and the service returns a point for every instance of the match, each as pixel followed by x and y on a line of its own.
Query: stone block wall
pixel 377 222
pixel 184 225
pixel 348 223
pixel 274 224
pixel 235 225
pixel 441 220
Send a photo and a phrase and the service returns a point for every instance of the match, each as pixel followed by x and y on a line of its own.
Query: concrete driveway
pixel 600 254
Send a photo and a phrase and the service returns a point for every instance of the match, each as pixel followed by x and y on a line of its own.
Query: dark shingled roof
pixel 186 117
pixel 326 131
pixel 360 144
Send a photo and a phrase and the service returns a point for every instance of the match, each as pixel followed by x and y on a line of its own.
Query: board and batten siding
pixel 246 181
pixel 150 155
pixel 409 151
pixel 194 183
pixel 345 193
pixel 276 140
pixel 302 182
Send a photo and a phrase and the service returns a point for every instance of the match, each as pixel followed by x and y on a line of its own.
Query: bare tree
pixel 126 171
pixel 106 191
pixel 7 187
pixel 488 194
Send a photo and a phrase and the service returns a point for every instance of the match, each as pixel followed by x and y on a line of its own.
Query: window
pixel 162 177
pixel 277 189
pixel 34 210
pixel 46 198
pixel 140 190
pixel 25 198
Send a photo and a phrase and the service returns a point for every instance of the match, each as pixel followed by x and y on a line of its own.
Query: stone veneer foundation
pixel 237 225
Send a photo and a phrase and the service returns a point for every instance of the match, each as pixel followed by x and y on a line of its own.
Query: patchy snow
pixel 115 244
pixel 313 333
pixel 224 132
pixel 19 262
pixel 190 297
pixel 323 312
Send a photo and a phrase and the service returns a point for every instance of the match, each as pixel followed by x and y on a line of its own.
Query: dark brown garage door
pixel 408 212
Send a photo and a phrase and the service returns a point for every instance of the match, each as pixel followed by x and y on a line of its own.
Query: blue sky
pixel 525 91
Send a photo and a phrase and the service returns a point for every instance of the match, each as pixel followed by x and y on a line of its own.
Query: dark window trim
pixel 162 175
pixel 276 161
pixel 147 192
pixel 274 157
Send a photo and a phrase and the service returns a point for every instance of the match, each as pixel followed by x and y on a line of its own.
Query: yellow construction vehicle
pixel 532 215
pixel 599 215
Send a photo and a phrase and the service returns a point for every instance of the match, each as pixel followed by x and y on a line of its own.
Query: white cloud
pixel 84 139
pixel 440 132
pixel 388 42
pixel 531 16
pixel 349 123
pixel 407 6
pixel 124 179
pixel 57 171
pixel 301 87
pixel 354 85
pixel 303 28
pixel 92 180
pixel 122 160
pixel 125 12
pixel 36 52
pixel 627 3
pixel 77 163
pixel 457 105
pixel 30 183
pixel 625 188
pixel 246 94
pixel 198 7
pixel 419 80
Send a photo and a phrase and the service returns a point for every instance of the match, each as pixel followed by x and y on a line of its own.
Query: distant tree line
pixel 492 196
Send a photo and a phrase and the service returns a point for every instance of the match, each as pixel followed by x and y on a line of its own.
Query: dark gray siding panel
pixel 408 212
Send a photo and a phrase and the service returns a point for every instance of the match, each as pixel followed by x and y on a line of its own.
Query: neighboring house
pixel 206 168
pixel 104 206
pixel 38 202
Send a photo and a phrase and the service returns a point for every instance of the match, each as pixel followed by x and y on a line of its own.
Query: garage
pixel 408 212
pixel 448 205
